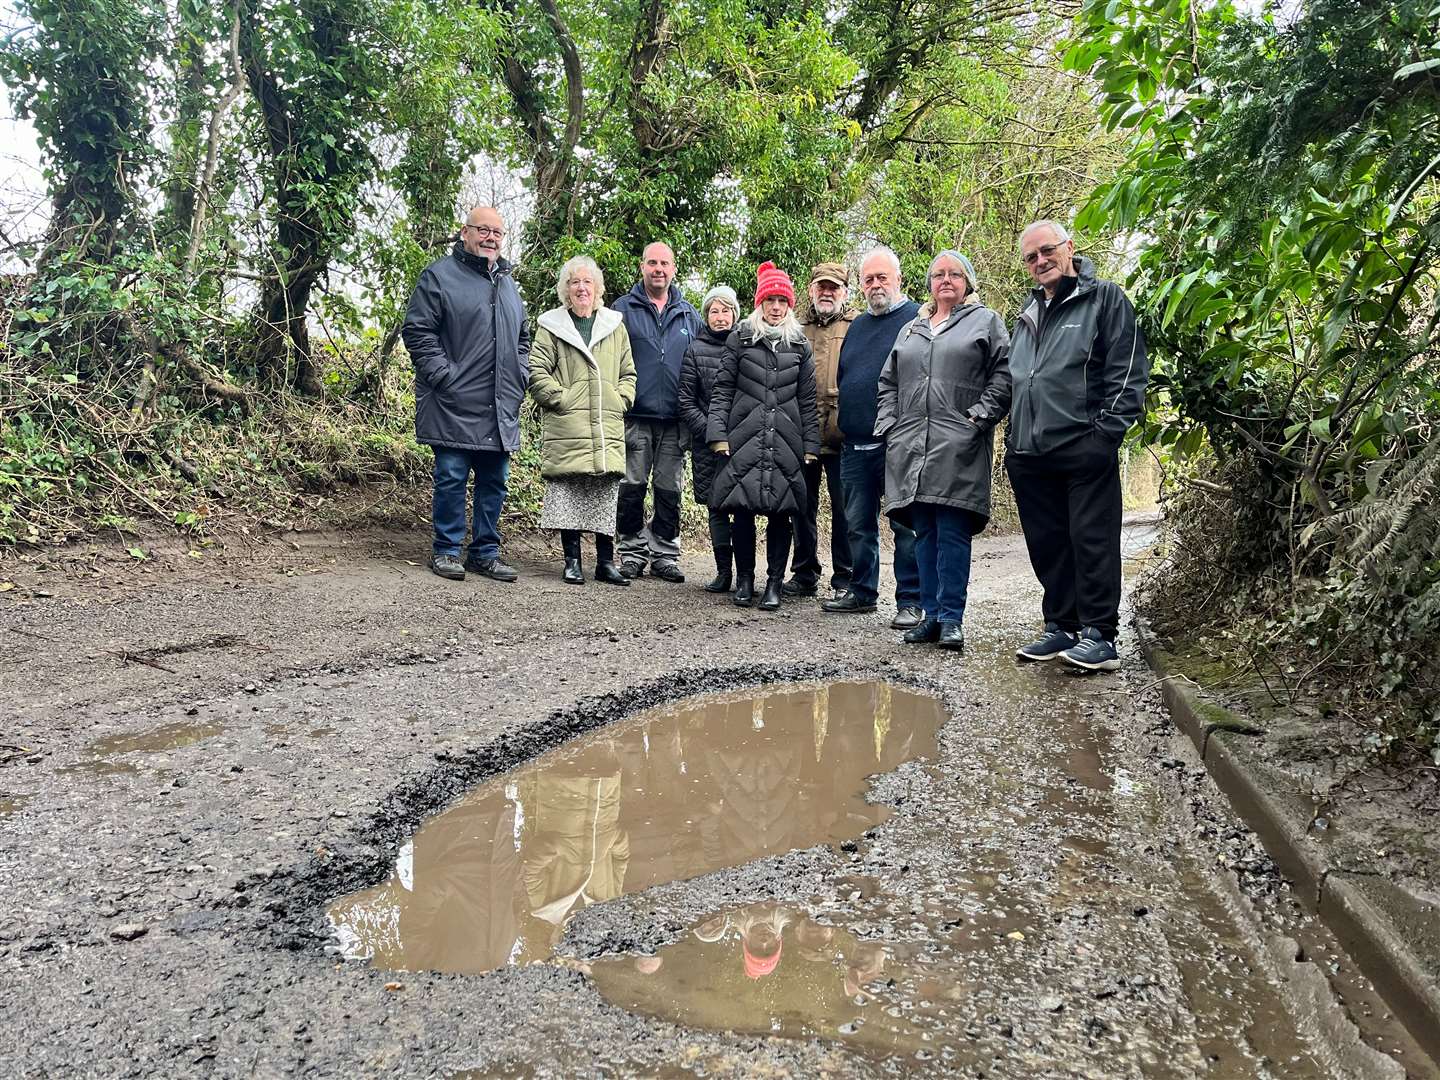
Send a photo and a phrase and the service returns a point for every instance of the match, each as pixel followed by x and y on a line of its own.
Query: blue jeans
pixel 863 474
pixel 447 508
pixel 942 550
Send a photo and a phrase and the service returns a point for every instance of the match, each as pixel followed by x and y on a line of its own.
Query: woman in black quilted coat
pixel 719 312
pixel 763 420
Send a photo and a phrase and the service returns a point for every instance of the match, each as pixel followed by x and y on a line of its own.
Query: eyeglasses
pixel 940 275
pixel 1044 250
pixel 487 230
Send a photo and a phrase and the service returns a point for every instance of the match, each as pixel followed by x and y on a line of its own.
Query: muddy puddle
pixel 165 737
pixel 12 804
pixel 773 970
pixel 675 793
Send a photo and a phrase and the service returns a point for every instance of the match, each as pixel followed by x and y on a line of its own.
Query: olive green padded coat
pixel 583 392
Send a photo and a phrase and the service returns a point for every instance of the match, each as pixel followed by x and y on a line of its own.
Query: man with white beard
pixel 866 347
pixel 825 324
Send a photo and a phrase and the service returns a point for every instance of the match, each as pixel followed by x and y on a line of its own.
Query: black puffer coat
pixel 703 361
pixel 763 405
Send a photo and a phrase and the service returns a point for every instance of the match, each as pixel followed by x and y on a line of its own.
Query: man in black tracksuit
pixel 1077 360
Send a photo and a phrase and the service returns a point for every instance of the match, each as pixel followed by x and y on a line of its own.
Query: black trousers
pixel 777 543
pixel 719 528
pixel 806 566
pixel 1071 507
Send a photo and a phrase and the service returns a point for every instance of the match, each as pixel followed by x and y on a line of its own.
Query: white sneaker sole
pixel 1021 654
pixel 1103 665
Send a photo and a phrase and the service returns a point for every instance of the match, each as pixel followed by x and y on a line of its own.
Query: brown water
pixel 165 737
pixel 674 793
pixel 11 804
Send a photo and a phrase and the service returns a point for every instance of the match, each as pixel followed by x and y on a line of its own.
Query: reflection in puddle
pixel 165 737
pixel 773 970
pixel 672 794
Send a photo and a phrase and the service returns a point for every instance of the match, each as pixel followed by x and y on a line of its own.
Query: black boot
pixel 721 581
pixel 952 636
pixel 925 631
pixel 570 542
pixel 605 568
pixel 744 588
pixel 770 601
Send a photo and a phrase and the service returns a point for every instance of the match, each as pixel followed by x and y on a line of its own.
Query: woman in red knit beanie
pixel 763 421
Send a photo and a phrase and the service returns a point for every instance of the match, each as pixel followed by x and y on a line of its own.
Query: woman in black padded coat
pixel 703 360
pixel 763 420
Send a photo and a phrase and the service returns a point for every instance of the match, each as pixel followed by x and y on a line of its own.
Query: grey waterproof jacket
pixel 466 334
pixel 942 391
pixel 1078 366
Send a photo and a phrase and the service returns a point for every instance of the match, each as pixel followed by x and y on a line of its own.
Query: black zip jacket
pixel 1078 366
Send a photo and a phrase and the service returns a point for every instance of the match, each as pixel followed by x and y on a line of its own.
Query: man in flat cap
pixel 828 318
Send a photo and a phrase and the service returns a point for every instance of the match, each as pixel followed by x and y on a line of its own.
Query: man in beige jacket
pixel 825 324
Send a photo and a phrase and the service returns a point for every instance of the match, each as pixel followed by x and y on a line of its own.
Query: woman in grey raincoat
pixel 943 389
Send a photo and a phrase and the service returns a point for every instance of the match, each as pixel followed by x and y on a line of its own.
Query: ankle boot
pixel 744 588
pixel 573 574
pixel 721 581
pixel 605 568
pixel 770 601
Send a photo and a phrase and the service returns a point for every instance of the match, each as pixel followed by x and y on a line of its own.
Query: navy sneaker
pixel 1054 642
pixel 1092 652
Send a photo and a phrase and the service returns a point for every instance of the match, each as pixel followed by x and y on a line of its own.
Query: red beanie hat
pixel 770 280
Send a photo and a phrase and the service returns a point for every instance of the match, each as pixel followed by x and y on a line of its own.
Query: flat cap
pixel 831 271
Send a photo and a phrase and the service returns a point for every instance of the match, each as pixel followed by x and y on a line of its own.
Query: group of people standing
pixel 894 404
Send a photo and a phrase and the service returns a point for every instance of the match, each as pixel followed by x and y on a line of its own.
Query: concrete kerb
pixel 1385 929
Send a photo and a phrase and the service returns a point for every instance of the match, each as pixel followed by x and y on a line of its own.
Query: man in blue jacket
pixel 661 323
pixel 1078 364
pixel 466 334
pixel 863 353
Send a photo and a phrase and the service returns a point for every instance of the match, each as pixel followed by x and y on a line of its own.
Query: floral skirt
pixel 582 503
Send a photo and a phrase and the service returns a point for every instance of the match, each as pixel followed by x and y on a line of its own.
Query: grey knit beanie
pixel 723 293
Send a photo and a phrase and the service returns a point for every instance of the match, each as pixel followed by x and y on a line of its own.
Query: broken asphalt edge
pixel 1380 925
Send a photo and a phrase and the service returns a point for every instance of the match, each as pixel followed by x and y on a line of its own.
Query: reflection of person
pixel 573 848
pixel 762 928
pixel 756 808
pixel 814 941
pixel 942 391
pixel 703 360
pixel 455 894
pixel 763 419
pixel 865 963
pixel 583 379
pixel 466 334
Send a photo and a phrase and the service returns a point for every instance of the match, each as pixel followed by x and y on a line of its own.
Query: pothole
pixel 673 793
pixel 165 737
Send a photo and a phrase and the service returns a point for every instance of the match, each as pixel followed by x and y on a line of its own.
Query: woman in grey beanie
pixel 718 313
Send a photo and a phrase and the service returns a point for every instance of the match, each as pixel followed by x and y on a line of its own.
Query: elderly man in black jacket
pixel 1077 361
pixel 466 334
